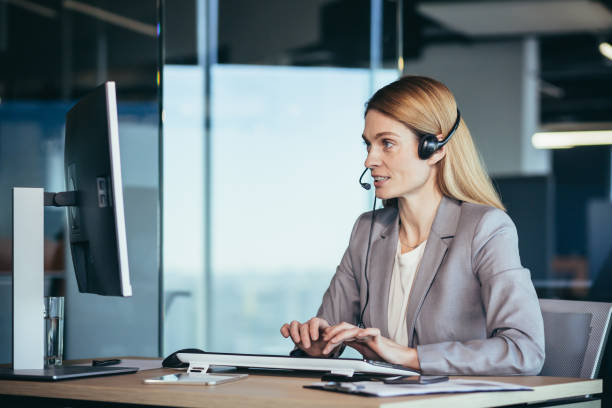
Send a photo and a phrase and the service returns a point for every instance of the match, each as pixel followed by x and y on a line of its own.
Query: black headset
pixel 429 143
pixel 427 146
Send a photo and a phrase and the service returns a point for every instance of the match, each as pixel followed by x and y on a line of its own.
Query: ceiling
pixel 575 79
pixel 519 17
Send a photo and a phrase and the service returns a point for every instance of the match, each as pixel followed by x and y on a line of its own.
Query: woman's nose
pixel 371 160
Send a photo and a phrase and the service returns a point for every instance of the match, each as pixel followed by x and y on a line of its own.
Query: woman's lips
pixel 379 181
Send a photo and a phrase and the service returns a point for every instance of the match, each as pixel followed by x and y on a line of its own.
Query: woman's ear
pixel 437 155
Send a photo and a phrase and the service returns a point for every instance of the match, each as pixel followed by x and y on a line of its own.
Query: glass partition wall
pixel 263 115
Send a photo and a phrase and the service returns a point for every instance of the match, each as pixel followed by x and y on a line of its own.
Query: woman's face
pixel 393 157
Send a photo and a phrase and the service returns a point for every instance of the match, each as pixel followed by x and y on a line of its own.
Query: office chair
pixel 576 334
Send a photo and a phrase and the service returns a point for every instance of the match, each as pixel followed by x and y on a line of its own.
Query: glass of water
pixel 54 330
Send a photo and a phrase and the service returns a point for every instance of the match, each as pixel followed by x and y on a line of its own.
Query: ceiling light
pixel 518 17
pixel 606 49
pixel 564 140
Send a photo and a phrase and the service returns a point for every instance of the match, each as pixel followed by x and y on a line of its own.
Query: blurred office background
pixel 240 127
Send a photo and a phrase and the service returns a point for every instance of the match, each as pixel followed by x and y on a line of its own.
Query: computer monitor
pixel 96 224
pixel 97 233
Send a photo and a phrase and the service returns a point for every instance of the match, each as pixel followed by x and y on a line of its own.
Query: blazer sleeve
pixel 515 330
pixel 342 298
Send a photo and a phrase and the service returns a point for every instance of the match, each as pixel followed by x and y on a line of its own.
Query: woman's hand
pixel 370 344
pixel 308 336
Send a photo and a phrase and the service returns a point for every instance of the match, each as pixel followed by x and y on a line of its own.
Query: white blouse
pixel 404 270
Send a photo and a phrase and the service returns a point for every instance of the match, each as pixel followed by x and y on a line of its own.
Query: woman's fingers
pixel 330 332
pixel 315 325
pixel 367 334
pixel 313 328
pixel 345 335
pixel 367 343
pixel 294 329
pixel 348 333
pixel 317 338
pixel 305 335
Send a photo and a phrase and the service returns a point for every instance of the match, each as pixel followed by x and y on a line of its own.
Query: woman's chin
pixel 383 195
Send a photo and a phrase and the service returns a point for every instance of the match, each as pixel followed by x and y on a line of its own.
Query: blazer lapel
pixel 443 228
pixel 380 270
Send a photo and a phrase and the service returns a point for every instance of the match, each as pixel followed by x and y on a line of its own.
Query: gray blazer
pixel 472 309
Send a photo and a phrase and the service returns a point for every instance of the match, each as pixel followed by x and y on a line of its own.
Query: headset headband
pixel 455 126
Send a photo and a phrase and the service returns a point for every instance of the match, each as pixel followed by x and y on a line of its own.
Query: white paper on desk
pixel 381 389
pixel 141 364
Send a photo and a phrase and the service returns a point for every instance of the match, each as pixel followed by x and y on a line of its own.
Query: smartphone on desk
pixel 416 379
pixel 184 378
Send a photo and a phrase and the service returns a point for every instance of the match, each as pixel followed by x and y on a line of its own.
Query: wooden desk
pixel 266 390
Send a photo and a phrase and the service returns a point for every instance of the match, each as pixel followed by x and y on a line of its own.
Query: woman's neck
pixel 417 213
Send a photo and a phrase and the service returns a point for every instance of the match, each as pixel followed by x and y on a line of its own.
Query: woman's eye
pixel 387 144
pixel 366 144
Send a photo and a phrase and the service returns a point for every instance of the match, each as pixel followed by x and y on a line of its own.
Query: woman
pixel 444 291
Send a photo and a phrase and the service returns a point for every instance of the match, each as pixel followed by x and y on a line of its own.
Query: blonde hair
pixel 425 105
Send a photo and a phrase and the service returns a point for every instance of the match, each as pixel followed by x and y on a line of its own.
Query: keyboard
pixel 201 362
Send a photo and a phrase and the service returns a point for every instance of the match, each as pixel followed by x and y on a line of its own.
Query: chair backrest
pixel 576 334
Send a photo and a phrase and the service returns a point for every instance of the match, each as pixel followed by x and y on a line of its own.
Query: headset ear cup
pixel 427 146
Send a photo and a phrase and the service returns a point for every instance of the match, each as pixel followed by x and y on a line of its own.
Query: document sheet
pixel 380 389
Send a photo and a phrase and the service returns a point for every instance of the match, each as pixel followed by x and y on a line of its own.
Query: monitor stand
pixel 28 290
pixel 28 278
pixel 62 373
